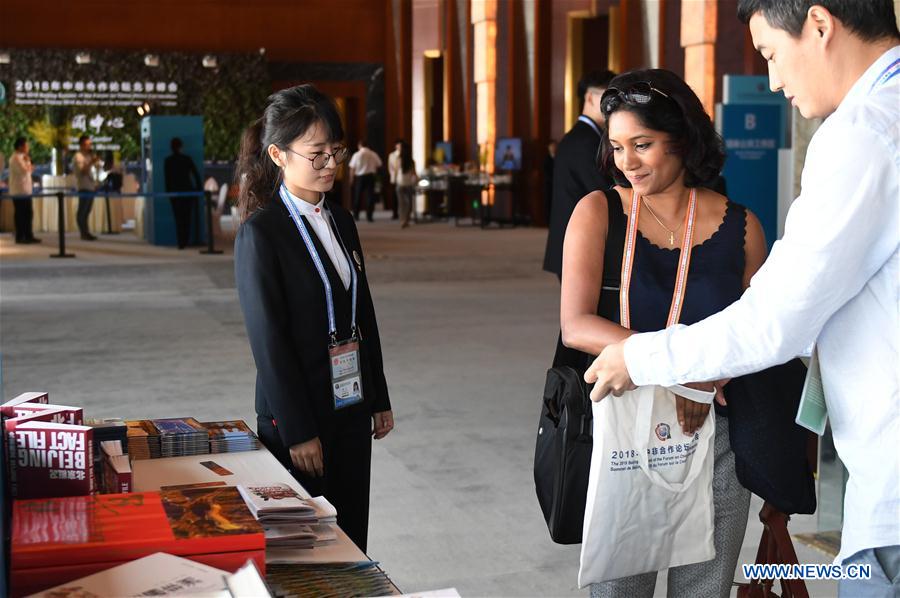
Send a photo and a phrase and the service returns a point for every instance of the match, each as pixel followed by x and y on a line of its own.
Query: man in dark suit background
pixel 575 174
pixel 181 175
pixel 575 171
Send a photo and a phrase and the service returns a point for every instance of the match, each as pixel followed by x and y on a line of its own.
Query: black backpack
pixel 562 453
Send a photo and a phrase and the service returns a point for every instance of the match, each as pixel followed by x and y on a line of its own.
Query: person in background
pixel 181 175
pixel 834 277
pixel 407 179
pixel 363 166
pixel 20 169
pixel 304 293
pixel 549 159
pixel 575 174
pixel 84 165
pixel 575 168
pixel 393 169
pixel 114 177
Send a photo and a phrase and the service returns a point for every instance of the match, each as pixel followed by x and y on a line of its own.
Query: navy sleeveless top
pixel 715 278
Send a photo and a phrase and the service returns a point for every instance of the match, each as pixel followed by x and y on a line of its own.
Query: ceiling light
pixel 210 62
pixel 4 57
pixel 151 60
pixel 83 58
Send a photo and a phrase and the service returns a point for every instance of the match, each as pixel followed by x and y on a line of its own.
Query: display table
pixel 247 468
pixel 244 468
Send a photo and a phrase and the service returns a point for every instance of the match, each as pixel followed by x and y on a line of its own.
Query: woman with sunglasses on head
pixel 661 149
pixel 302 285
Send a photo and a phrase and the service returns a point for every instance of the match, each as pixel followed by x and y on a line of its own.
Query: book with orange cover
pixel 57 536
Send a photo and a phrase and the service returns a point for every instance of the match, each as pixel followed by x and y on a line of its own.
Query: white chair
pixel 226 221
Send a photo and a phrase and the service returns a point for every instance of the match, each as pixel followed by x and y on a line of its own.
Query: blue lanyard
pixel 320 267
pixel 886 75
pixel 587 120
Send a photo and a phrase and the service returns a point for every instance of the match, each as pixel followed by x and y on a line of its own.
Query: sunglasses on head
pixel 638 93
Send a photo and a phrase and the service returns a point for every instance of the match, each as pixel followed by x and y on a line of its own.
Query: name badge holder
pixel 343 356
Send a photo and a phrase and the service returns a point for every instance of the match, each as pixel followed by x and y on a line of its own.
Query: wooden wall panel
pixel 290 30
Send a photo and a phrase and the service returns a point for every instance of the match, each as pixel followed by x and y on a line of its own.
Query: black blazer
pixel 575 174
pixel 283 301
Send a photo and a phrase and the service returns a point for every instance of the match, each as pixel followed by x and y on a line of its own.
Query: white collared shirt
pixel 394 165
pixel 20 174
pixel 364 161
pixel 834 279
pixel 317 216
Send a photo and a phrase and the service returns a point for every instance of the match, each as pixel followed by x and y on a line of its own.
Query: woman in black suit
pixel 302 285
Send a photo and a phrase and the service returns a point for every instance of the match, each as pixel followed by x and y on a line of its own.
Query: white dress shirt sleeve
pixel 840 231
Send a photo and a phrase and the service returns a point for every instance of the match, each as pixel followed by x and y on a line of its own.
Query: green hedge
pixel 228 97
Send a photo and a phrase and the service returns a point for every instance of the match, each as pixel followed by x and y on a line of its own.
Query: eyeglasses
pixel 638 93
pixel 320 159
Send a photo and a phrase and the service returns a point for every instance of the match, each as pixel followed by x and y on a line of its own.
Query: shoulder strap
pixel 615 240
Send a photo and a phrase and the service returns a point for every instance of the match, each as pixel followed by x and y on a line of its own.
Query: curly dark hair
pixel 681 115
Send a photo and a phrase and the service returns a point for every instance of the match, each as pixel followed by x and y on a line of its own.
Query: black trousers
pixel 183 207
pixel 85 205
pixel 347 452
pixel 23 216
pixel 364 186
pixel 394 194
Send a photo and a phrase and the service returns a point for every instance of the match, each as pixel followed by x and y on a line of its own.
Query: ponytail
pixel 257 176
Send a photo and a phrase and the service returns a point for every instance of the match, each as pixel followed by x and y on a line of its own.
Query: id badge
pixel 812 411
pixel 346 382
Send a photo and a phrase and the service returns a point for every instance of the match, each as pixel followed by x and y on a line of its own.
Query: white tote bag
pixel 649 500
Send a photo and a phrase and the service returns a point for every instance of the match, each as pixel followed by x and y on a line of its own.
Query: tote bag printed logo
pixel 663 432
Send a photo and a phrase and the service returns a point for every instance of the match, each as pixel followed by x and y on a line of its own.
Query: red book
pixel 25 397
pixel 61 414
pixel 49 459
pixel 210 525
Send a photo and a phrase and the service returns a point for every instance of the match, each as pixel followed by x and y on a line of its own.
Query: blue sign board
pixel 754 89
pixel 156 136
pixel 751 134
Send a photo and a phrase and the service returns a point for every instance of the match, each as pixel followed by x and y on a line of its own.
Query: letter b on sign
pixel 749 121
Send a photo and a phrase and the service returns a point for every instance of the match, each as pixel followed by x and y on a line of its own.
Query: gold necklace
pixel 655 217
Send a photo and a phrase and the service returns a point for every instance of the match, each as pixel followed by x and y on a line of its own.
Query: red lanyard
pixel 684 261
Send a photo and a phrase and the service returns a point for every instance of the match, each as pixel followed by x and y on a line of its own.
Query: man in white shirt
pixel 20 169
pixel 393 164
pixel 363 166
pixel 84 165
pixel 834 279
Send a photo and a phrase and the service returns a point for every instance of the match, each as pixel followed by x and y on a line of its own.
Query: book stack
pixel 181 436
pixel 115 475
pixel 329 579
pixel 143 439
pixel 106 430
pixel 59 540
pixel 289 520
pixel 230 437
pixel 49 452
